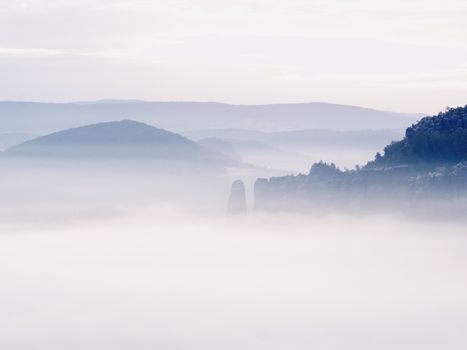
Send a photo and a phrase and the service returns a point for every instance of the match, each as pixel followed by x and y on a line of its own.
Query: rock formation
pixel 237 200
pixel 430 163
pixel 436 140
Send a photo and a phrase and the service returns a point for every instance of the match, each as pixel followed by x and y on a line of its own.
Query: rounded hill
pixel 439 139
pixel 124 138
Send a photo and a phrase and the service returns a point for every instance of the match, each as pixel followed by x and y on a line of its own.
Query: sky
pixel 408 56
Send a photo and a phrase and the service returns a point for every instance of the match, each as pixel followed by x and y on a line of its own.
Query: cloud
pixel 293 40
pixel 37 52
pixel 28 51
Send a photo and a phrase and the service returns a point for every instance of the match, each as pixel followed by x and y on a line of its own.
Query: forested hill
pixel 430 163
pixel 440 139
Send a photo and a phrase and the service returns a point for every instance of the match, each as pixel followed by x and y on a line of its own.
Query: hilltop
pixel 440 139
pixel 124 138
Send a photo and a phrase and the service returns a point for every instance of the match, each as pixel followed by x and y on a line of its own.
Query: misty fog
pixel 233 175
pixel 161 277
pixel 99 257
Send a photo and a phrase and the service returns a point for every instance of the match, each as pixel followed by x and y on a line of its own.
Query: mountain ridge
pixel 39 118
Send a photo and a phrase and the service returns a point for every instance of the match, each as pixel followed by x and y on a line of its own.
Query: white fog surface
pixel 160 278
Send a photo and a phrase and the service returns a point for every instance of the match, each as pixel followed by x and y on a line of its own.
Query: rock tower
pixel 237 200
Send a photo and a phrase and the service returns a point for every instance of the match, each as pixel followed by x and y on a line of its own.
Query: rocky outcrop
pixel 237 199
pixel 429 163
pixel 327 186
pixel 433 141
pixel 444 182
pixel 452 120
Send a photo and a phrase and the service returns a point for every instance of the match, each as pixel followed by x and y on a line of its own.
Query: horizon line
pixel 116 101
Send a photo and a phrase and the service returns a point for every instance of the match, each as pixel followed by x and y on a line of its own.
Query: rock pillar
pixel 237 200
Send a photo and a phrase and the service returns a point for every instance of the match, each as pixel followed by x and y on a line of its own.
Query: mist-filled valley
pixel 233 175
pixel 284 137
pixel 143 273
pixel 118 235
pixel 124 235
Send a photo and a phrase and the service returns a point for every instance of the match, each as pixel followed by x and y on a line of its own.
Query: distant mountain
pixel 40 118
pixel 226 134
pixel 11 139
pixel 222 148
pixel 293 150
pixel 121 139
pixel 305 138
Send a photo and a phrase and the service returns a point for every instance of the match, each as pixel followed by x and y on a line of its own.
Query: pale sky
pixel 388 54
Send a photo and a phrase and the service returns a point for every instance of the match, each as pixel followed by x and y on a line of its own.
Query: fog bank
pixel 160 277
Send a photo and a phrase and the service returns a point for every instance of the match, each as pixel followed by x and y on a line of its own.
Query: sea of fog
pixel 123 259
pixel 164 278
